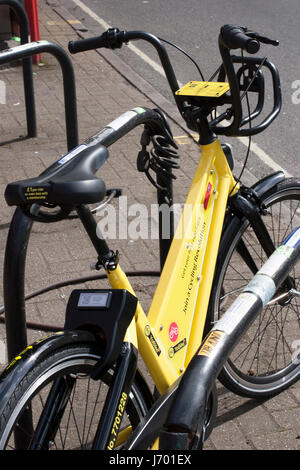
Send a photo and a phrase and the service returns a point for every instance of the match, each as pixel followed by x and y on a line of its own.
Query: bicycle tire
pixel 75 427
pixel 265 361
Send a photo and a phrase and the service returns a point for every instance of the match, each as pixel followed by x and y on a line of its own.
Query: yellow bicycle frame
pixel 171 333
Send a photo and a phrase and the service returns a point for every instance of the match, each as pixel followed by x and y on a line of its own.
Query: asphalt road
pixel 194 25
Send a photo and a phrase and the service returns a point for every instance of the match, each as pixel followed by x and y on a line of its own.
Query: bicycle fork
pixel 247 204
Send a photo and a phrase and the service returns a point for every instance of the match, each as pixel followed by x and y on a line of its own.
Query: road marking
pixel 158 68
pixel 260 153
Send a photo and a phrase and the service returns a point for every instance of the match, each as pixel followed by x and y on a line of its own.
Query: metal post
pixel 31 8
pixel 19 11
pixel 18 236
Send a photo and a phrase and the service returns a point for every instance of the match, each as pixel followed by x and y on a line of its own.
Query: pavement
pixel 106 87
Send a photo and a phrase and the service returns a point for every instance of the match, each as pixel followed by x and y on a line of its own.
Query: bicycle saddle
pixel 69 181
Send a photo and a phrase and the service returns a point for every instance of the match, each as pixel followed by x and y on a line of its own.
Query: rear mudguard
pixel 27 359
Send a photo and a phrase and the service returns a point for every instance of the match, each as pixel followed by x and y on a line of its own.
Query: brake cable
pixel 254 77
pixel 185 53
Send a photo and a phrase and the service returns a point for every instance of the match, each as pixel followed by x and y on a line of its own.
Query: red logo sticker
pixel 207 195
pixel 173 332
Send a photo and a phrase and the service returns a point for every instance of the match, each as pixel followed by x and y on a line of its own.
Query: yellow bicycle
pixel 50 393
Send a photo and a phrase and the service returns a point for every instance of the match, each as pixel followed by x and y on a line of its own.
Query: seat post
pixel 90 226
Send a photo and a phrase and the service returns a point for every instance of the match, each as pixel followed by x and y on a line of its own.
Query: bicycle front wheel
pixel 57 405
pixel 265 361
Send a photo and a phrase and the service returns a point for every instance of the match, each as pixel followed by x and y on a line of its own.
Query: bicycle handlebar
pixel 235 37
pixel 86 44
pixel 230 37
pixel 113 38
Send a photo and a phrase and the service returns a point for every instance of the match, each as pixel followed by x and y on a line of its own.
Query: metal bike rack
pixel 33 48
pixel 20 228
pixel 19 11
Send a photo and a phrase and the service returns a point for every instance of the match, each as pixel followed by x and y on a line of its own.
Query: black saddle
pixel 70 181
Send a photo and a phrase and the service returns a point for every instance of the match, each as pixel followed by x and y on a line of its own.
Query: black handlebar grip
pixel 234 37
pixel 113 38
pixel 87 44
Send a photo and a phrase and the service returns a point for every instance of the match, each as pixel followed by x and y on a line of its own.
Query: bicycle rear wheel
pixel 265 361
pixel 56 405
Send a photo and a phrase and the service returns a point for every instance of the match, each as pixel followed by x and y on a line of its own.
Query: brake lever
pixel 262 39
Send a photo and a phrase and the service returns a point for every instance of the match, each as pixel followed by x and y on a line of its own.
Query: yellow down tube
pixel 178 310
pixel 141 334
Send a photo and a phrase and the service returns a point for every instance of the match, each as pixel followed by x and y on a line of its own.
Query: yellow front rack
pixel 204 89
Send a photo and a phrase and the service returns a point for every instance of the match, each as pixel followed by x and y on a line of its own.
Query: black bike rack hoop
pixel 20 13
pixel 33 48
pixel 20 227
